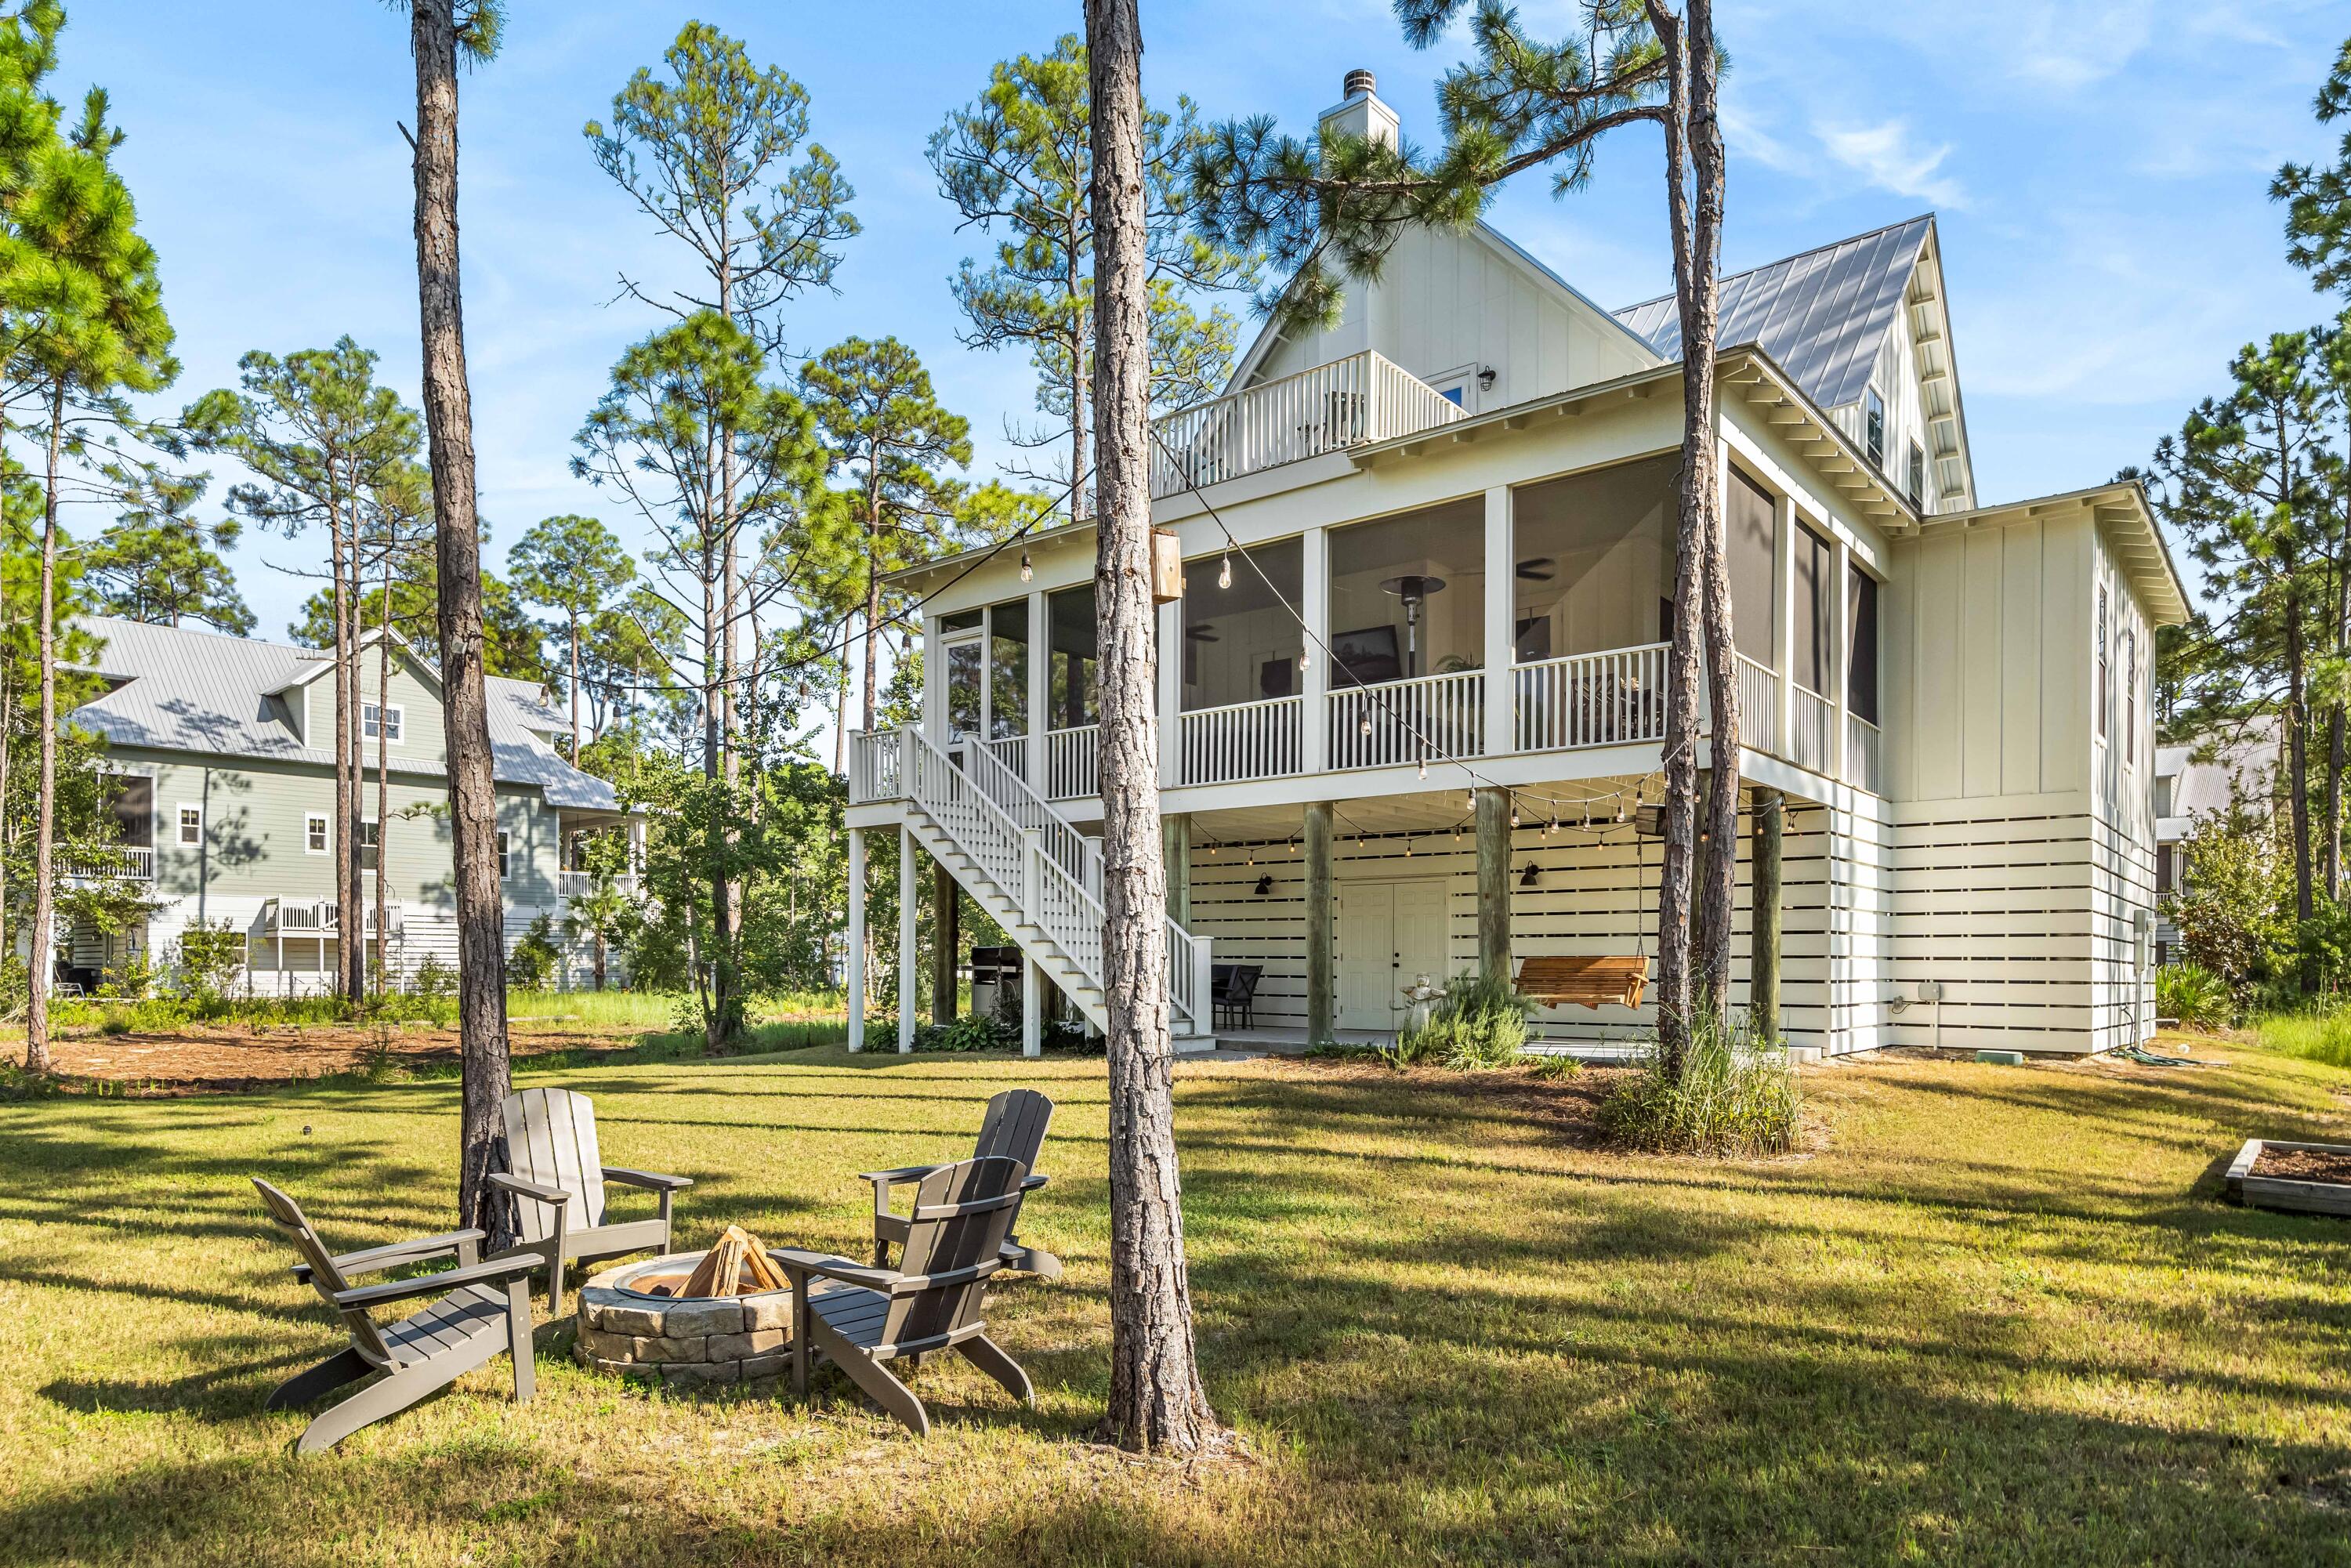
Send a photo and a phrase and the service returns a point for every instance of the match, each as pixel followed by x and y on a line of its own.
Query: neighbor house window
pixel 1918 476
pixel 314 832
pixel 2163 871
pixel 505 855
pixel 371 843
pixel 381 722
pixel 2103 691
pixel 191 825
pixel 1876 428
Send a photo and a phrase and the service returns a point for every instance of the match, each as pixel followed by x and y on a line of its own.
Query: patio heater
pixel 1414 589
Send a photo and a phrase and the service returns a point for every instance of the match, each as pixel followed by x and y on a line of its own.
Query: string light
pixel 1407 846
pixel 1225 572
pixel 1366 727
pixel 1027 571
pixel 1305 660
pixel 1424 767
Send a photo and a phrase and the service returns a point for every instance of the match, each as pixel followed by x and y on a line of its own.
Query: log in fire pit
pixel 691 1320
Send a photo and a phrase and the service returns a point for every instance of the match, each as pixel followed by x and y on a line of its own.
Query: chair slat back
pixel 1013 1127
pixel 325 1277
pixel 962 1215
pixel 551 1140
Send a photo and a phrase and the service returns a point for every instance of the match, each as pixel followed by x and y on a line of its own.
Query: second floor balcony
pixel 1354 401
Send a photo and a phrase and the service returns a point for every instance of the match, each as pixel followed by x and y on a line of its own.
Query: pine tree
pixel 159 563
pixel 1017 162
pixel 2318 198
pixel 572 565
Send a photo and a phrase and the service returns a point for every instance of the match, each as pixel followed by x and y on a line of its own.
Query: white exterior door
pixel 1420 943
pixel 1389 933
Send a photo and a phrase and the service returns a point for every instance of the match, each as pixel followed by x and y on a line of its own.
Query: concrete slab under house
pixel 1412 700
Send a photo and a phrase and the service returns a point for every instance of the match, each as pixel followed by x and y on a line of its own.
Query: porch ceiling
pixel 1431 811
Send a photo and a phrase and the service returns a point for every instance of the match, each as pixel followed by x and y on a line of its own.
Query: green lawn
pixel 1999 1316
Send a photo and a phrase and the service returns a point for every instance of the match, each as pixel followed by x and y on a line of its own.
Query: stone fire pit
pixel 634 1324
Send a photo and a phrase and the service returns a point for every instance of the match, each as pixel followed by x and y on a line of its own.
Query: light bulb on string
pixel 1027 571
pixel 1424 768
pixel 1407 846
pixel 1305 660
pixel 1225 572
pixel 1366 726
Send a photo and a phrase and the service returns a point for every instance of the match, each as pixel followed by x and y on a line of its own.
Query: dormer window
pixel 1875 416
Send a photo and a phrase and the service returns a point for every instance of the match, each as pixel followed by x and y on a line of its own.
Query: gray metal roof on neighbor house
pixel 2240 767
pixel 181 690
pixel 1821 315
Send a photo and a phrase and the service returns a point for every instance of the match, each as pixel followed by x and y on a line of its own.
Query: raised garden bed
pixel 2310 1179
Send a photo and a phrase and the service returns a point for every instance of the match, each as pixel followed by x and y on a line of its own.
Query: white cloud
pixel 1885 155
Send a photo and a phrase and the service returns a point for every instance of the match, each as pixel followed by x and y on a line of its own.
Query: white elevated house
pixel 1428 575
pixel 221 752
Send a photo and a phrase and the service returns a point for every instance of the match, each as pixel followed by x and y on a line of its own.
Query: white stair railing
pixel 1070 850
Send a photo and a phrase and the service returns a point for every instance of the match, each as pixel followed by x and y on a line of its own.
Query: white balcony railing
pixel 319 917
pixel 1073 758
pixel 1812 719
pixel 580 883
pixel 1362 397
pixel 1242 741
pixel 1012 751
pixel 116 863
pixel 1861 754
pixel 1609 698
pixel 1759 707
pixel 874 767
pixel 1426 719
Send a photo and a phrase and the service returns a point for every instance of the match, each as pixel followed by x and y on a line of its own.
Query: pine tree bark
pixel 473 795
pixel 45 828
pixel 382 976
pixel 1156 1401
pixel 343 538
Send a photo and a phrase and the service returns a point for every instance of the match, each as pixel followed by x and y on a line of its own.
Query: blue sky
pixel 2099 168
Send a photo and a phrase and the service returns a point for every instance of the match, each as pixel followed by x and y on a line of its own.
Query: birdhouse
pixel 1166 567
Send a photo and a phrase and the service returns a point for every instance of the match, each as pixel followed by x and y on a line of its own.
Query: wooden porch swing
pixel 1587 980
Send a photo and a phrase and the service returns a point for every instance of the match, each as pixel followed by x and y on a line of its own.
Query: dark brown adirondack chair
pixel 482 1309
pixel 1013 1127
pixel 550 1150
pixel 862 1317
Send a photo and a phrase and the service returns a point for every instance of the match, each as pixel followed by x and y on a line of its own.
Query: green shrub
pixel 210 956
pixel 1736 1095
pixel 2323 1036
pixel 534 957
pixel 115 1025
pixel 2194 995
pixel 1553 1065
pixel 968 1032
pixel 1478 1025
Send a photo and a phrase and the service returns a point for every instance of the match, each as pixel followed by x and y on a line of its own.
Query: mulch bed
pixel 197 1060
pixel 2303 1164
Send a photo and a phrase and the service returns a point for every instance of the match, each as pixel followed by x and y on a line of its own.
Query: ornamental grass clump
pixel 1477 1026
pixel 1735 1096
pixel 2194 995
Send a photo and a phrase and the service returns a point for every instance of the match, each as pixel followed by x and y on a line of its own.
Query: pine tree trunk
pixel 2297 723
pixel 347 791
pixel 45 829
pixel 575 688
pixel 472 794
pixel 383 789
pixel 1156 1401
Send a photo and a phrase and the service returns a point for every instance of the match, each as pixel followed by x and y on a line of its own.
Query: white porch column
pixel 1783 622
pixel 1315 588
pixel 1841 563
pixel 1171 695
pixel 1501 651
pixel 1040 666
pixel 854 960
pixel 908 968
pixel 934 706
pixel 1032 1008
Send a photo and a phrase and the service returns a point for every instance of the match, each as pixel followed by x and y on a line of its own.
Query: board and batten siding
pixel 422 737
pixel 2017 873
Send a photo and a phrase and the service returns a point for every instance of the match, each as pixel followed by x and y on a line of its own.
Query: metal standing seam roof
pixel 2240 767
pixel 183 690
pixel 1820 315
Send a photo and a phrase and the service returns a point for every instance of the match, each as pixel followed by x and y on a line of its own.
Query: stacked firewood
pixel 737 1266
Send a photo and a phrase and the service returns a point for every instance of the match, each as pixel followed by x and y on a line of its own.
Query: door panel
pixel 1420 934
pixel 1367 957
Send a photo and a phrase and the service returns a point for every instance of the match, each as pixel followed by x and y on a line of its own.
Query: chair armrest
pixel 376 1259
pixel 627 1178
pixel 793 1260
pixel 495 1272
pixel 538 1191
pixel 1030 1183
pixel 893 1178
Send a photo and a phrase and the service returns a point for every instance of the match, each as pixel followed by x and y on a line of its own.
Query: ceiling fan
pixel 1537 569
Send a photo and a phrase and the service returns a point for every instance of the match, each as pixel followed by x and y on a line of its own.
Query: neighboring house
pixel 223 752
pixel 2205 776
pixel 1456 510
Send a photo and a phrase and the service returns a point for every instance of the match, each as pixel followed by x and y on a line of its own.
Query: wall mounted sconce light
pixel 1264 885
pixel 1527 877
pixel 1484 377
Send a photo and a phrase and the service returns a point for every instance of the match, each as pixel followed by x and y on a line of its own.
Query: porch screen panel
pixel 1816 604
pixel 1752 522
pixel 1861 656
pixel 1007 670
pixel 132 802
pixel 1241 643
pixel 1591 560
pixel 1070 691
pixel 1408 595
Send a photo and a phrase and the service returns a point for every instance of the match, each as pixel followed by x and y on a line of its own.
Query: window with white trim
pixel 191 825
pixel 1875 424
pixel 388 722
pixel 1917 477
pixel 371 843
pixel 505 855
pixel 2105 692
pixel 314 833
pixel 2130 699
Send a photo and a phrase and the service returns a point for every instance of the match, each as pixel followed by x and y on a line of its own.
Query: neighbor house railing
pixel 1862 760
pixel 1362 397
pixel 1813 719
pixel 117 863
pixel 318 916
pixel 580 883
pixel 1241 741
pixel 1609 698
pixel 1428 719
pixel 1072 762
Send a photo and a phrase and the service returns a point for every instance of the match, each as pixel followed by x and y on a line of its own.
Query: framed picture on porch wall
pixel 1277 675
pixel 1369 655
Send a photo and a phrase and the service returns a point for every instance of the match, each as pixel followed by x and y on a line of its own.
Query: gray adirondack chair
pixel 1014 1128
pixel 863 1316
pixel 551 1150
pixel 482 1309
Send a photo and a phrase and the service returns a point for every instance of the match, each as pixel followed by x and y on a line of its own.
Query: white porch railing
pixel 118 862
pixel 1070 849
pixel 1813 717
pixel 1362 397
pixel 1072 762
pixel 1861 754
pixel 1012 752
pixel 1242 740
pixel 580 883
pixel 1427 719
pixel 1609 698
pixel 1759 707
pixel 318 916
pixel 874 767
